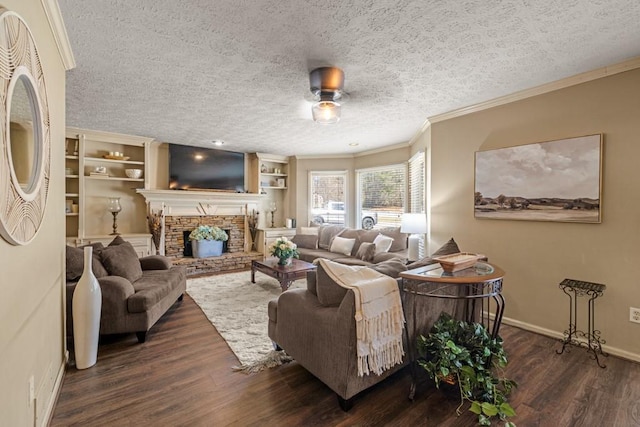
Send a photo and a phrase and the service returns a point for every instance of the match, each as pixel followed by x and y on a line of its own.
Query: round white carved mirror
pixel 24 134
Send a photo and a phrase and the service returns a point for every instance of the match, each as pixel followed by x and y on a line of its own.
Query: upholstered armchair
pixel 316 327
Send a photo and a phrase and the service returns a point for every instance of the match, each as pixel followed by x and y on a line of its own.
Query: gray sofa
pixel 136 292
pixel 319 245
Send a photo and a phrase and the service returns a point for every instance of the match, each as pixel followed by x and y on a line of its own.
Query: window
pixel 381 196
pixel 416 183
pixel 328 199
pixel 416 191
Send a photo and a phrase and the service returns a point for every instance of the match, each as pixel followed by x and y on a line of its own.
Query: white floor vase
pixel 87 303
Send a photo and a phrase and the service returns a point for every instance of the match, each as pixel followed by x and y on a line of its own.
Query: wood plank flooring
pixel 182 376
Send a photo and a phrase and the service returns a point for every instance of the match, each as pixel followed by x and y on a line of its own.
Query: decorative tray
pixel 107 156
pixel 457 262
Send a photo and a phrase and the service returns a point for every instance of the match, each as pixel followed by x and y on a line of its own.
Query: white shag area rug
pixel 238 310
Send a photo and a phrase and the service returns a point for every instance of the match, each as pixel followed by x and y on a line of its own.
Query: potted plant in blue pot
pixel 206 241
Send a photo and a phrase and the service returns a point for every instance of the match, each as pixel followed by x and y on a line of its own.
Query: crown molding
pixel 98 135
pixel 382 149
pixel 54 17
pixel 323 156
pixel 588 76
pixel 420 131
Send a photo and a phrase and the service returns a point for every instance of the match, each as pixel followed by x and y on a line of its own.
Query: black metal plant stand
pixel 572 336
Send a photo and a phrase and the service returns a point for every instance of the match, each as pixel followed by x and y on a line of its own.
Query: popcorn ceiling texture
pixel 190 72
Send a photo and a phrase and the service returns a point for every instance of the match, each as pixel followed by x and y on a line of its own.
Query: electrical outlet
pixel 634 314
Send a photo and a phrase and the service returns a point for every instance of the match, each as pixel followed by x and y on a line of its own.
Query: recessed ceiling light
pixel 354 144
pixel 217 142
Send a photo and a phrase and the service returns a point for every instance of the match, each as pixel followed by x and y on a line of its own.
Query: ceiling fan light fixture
pixel 326 112
pixel 326 84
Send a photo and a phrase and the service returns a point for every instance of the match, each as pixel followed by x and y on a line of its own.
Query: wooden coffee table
pixel 284 274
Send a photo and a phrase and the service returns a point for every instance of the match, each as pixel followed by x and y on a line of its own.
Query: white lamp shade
pixel 413 223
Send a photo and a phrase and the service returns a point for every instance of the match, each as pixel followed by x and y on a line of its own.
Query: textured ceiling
pixel 237 70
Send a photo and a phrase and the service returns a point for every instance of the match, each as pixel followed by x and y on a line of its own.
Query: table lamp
pixel 416 225
pixel 114 207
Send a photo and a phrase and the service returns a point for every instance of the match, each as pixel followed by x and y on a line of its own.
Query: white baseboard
pixel 560 335
pixel 55 392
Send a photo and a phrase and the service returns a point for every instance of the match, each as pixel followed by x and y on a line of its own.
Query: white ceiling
pixel 237 70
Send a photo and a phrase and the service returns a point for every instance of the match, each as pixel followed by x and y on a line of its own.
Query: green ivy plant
pixel 464 354
pixel 207 232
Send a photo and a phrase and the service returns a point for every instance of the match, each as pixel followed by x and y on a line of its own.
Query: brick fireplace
pixel 182 211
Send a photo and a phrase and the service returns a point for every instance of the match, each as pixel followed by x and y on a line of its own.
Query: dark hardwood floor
pixel 182 377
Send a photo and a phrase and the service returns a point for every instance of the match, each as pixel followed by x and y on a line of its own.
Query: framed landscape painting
pixel 547 181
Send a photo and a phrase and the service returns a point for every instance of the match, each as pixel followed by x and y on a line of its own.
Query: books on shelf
pixel 100 174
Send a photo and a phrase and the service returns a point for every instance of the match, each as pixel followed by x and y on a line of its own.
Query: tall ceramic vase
pixel 87 302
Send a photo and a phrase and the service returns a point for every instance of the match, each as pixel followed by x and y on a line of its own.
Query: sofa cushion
pixel 368 236
pixel 351 233
pixel 330 294
pixel 326 233
pixel 152 288
pixel 399 239
pixel 307 241
pixel 341 245
pixel 122 260
pixel 75 262
pixel 309 255
pixel 366 251
pixel 451 247
pixel 383 243
pixel 391 267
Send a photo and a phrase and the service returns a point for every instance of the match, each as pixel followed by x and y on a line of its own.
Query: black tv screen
pixel 205 168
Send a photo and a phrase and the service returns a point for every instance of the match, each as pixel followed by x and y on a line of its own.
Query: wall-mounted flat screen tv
pixel 196 168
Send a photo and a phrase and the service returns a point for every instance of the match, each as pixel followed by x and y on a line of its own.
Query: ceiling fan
pixel 327 89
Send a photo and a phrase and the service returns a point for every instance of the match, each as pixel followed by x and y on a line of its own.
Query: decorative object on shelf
pixel 464 355
pixel 284 249
pixel 154 219
pixel 416 225
pixel 26 131
pixel 133 173
pixel 75 208
pixel 67 205
pixel 273 207
pixel 280 182
pixel 115 155
pixel 68 171
pixel 263 168
pixel 114 207
pixel 75 149
pixel 86 306
pixel 252 221
pixel 206 241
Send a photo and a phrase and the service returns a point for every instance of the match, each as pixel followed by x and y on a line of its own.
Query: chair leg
pixel 142 336
pixel 345 404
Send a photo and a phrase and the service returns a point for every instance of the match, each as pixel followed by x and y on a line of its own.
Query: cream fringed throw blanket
pixel 379 316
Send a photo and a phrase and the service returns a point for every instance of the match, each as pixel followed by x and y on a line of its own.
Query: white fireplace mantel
pixel 194 203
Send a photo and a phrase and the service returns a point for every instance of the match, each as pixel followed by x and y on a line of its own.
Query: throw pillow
pixel 341 245
pixel 383 243
pixel 122 260
pixel 117 241
pixel 326 233
pixel 306 241
pixel 391 267
pixel 366 251
pixel 399 239
pixel 451 247
pixel 309 230
pixel 75 262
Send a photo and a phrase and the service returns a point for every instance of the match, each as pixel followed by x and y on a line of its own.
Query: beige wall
pixel 538 255
pixel 299 204
pixel 31 307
